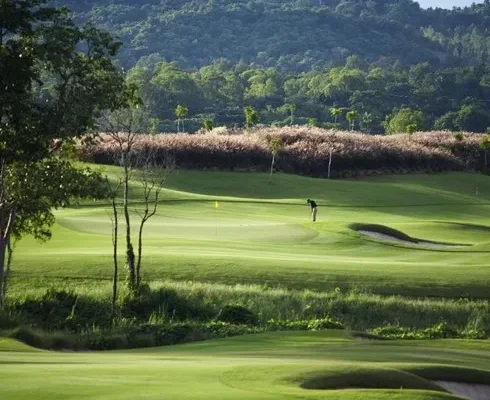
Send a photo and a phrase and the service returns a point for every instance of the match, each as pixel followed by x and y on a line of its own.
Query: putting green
pixel 265 366
pixel 262 233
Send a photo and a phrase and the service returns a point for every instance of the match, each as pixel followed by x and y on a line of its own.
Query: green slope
pixel 266 366
pixel 262 234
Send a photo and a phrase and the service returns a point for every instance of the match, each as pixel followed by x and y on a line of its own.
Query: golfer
pixel 314 208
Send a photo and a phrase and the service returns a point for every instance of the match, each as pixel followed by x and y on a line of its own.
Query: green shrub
pixel 6 320
pixel 105 341
pixel 61 310
pixel 28 336
pixel 303 325
pixel 165 300
pixel 237 315
pixel 442 330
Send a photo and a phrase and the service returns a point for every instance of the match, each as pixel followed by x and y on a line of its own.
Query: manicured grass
pixel 262 234
pixel 265 366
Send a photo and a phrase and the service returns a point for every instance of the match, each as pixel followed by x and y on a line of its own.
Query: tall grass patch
pixel 306 151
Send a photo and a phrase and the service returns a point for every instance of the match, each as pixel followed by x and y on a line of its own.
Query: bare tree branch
pixel 153 180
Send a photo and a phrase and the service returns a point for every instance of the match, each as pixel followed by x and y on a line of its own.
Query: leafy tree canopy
pixel 55 78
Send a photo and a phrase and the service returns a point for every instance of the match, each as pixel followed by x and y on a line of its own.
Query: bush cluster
pixel 62 319
pixel 305 150
pixel 442 330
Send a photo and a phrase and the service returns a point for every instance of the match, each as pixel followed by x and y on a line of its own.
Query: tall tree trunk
pixel 329 164
pixel 140 251
pixel 129 246
pixel 3 248
pixel 10 251
pixel 272 167
pixel 115 231
pixel 485 166
pixel 5 233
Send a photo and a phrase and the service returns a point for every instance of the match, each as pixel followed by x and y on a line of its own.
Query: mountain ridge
pixel 294 35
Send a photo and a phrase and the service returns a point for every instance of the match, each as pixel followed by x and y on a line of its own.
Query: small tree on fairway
pixel 123 126
pixel 251 117
pixel 351 117
pixel 113 191
pixel 335 112
pixel 153 176
pixel 181 112
pixel 274 144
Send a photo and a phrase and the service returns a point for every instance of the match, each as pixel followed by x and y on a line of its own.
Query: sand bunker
pixel 390 238
pixel 467 390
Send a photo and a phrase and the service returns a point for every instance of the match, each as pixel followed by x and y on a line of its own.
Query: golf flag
pixel 216 204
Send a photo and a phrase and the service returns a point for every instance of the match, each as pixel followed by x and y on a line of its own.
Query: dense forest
pixel 291 35
pixel 378 66
pixel 375 99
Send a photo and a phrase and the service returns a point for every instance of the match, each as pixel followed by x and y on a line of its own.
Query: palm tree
pixel 351 117
pixel 181 112
pixel 335 112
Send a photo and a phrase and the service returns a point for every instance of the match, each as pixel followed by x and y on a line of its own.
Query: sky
pixel 447 3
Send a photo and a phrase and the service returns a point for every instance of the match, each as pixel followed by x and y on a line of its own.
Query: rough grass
pixel 356 309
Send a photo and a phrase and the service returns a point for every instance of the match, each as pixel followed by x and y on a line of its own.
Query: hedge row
pixel 304 150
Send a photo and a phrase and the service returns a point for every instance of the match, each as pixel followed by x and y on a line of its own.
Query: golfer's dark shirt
pixel 312 204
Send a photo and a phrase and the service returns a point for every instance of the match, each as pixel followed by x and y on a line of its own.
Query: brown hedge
pixel 306 151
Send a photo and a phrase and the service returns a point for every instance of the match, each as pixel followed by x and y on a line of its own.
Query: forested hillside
pixel 291 35
pixel 379 66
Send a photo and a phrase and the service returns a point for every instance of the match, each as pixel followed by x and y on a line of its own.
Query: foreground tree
pixel 55 78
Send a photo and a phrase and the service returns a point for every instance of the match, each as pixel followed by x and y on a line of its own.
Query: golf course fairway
pixel 264 366
pixel 232 227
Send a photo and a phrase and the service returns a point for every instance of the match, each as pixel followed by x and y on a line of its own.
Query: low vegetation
pixel 174 313
pixel 306 151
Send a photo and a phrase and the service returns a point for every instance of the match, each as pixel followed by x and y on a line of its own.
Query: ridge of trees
pixel 291 35
pixel 385 100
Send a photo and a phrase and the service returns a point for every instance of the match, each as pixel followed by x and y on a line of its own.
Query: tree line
pixel 354 96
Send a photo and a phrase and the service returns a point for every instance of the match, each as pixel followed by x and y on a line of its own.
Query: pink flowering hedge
pixel 306 151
